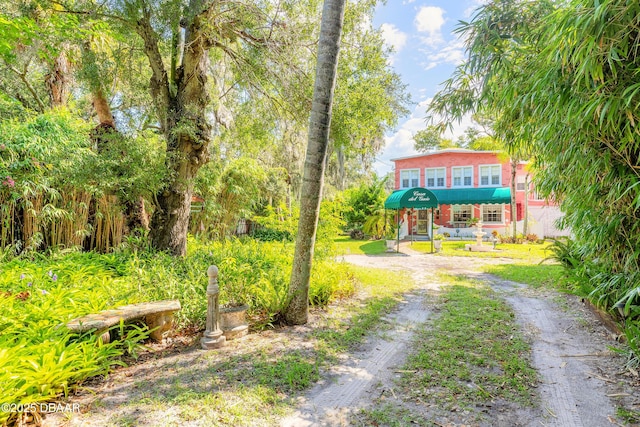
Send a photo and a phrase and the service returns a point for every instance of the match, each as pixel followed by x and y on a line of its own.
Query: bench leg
pixel 104 336
pixel 159 323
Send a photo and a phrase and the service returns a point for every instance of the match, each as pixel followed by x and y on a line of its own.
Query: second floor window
pixel 462 176
pixel 490 175
pixel 434 177
pixel 409 178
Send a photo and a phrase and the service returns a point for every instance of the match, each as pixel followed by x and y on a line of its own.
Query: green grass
pixel 354 319
pixel 553 276
pixel 469 355
pixel 347 246
pixel 472 352
pixel 532 252
pixel 261 382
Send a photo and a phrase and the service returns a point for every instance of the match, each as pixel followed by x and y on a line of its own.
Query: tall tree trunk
pixel 59 80
pixel 341 171
pixel 182 116
pixel 134 211
pixel 297 311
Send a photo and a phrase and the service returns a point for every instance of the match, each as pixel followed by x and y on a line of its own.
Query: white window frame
pixel 410 178
pixel 520 182
pixel 435 171
pixel 457 208
pixel 462 176
pixel 499 207
pixel 490 175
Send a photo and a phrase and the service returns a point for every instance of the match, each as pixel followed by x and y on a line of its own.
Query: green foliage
pixel 238 190
pixel 560 80
pixel 381 224
pixel 330 282
pixel 363 201
pixel 274 226
pixel 430 139
pixel 51 179
pixel 41 360
pixel 566 252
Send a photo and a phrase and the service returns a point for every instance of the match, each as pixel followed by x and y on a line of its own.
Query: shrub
pixel 356 234
pixel 566 252
pixel 39 360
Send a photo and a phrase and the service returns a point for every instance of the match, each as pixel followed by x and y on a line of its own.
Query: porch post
pixel 431 230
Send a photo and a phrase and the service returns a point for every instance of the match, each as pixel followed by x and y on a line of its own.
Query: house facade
pixel 472 185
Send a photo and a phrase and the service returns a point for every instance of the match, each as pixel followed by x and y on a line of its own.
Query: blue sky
pixel 426 53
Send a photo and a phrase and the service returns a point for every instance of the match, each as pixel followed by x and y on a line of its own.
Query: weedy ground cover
pixel 257 381
pixel 40 359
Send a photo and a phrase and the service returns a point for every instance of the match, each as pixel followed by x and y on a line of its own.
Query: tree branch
pixel 23 77
pixel 159 80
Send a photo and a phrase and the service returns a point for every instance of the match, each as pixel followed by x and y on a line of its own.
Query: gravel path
pixel 569 350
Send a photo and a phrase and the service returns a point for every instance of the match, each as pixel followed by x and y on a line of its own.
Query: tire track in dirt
pixel 331 401
pixel 565 354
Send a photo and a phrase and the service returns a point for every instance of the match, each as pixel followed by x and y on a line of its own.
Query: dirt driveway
pixel 582 382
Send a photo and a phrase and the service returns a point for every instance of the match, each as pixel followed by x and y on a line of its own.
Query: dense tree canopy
pixel 560 79
pixel 212 80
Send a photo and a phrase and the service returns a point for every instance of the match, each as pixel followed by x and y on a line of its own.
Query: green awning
pixel 417 197
pixel 473 196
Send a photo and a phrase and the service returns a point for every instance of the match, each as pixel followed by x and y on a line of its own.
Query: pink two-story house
pixel 472 184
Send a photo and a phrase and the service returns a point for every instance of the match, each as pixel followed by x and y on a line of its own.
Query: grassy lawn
pixel 532 252
pixel 535 275
pixel 347 246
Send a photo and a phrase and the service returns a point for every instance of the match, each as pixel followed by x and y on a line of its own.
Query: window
pixel 490 175
pixel 409 178
pixel 461 213
pixel 520 183
pixel 462 176
pixel 492 214
pixel 434 177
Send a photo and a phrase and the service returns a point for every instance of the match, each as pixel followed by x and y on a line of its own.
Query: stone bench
pixel 158 316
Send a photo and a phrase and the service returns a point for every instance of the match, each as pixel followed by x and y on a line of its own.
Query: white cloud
pixel 401 143
pixel 430 19
pixel 393 37
pixel 452 53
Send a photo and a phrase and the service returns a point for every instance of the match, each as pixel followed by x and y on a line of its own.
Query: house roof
pixel 473 196
pixel 448 150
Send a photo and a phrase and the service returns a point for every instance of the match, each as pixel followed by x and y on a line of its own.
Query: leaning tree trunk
pixel 182 116
pixel 297 311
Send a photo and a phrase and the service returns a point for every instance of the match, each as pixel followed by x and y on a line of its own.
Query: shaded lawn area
pixel 532 252
pixel 345 245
